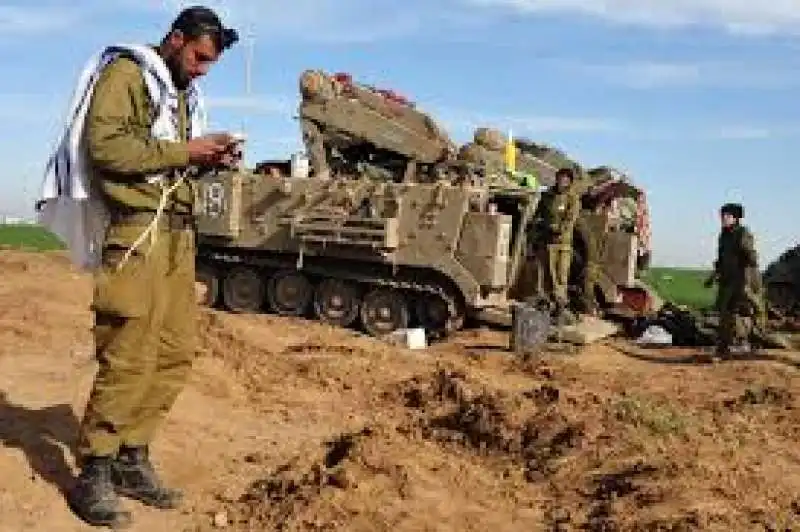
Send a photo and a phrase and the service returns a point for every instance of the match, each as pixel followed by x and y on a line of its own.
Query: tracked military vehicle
pixel 382 253
pixel 390 228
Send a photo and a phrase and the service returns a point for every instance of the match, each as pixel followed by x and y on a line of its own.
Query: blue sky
pixel 697 99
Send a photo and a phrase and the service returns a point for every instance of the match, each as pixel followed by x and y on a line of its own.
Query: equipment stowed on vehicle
pixel 401 233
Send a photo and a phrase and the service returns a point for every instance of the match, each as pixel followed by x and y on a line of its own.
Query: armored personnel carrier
pixel 382 253
pixel 392 228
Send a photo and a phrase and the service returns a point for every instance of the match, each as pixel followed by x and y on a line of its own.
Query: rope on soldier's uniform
pixel 151 230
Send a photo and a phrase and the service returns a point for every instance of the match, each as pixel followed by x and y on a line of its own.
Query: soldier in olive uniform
pixel 145 310
pixel 559 210
pixel 739 294
pixel 591 266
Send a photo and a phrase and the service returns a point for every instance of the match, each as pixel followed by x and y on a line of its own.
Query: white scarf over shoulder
pixel 67 206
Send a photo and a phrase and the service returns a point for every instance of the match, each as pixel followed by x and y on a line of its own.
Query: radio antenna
pixel 248 75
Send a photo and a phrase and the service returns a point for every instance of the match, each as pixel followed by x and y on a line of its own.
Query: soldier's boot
pixel 563 315
pixel 93 498
pixel 133 476
pixel 722 352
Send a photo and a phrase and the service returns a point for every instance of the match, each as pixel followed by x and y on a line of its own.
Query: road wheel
pixel 289 293
pixel 336 302
pixel 434 316
pixel 243 290
pixel 384 311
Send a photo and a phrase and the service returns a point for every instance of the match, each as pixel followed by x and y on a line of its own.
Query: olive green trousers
pixel 144 332
pixel 742 314
pixel 559 260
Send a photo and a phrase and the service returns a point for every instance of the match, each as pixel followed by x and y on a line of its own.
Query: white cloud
pixel 747 132
pixel 648 74
pixel 742 132
pixel 16 20
pixel 461 123
pixel 736 16
pixel 323 21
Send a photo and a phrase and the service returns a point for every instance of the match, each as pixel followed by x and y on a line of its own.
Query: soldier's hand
pixel 207 149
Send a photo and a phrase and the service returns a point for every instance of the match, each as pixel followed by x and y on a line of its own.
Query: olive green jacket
pixel 737 258
pixel 121 149
pixel 559 212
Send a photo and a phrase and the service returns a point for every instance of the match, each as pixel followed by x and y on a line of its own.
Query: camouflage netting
pixel 782 282
pixel 550 155
pixel 491 139
pixel 487 149
pixel 490 160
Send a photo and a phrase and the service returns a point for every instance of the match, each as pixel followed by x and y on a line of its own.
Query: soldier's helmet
pixel 734 209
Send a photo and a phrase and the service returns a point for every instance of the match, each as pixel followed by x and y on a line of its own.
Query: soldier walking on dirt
pixel 739 294
pixel 144 303
pixel 559 212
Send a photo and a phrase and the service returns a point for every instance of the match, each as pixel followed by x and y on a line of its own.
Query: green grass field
pixel 28 238
pixel 681 286
pixel 678 285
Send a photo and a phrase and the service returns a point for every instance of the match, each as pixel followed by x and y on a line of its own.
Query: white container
pixel 299 165
pixel 408 338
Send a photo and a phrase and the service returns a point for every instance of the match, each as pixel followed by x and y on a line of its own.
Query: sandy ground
pixel 289 425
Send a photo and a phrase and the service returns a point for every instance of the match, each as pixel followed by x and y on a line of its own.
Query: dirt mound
pixel 276 499
pixel 292 425
pixel 529 428
pixel 764 395
pixel 516 437
pixel 579 461
pixel 543 444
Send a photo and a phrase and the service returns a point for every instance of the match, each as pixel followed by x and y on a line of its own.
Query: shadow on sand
pixel 39 434
pixel 653 355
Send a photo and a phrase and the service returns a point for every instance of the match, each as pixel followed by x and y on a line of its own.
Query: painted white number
pixel 215 200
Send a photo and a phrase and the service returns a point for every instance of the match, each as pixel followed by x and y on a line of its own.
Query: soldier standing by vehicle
pixel 138 144
pixel 591 263
pixel 739 295
pixel 558 214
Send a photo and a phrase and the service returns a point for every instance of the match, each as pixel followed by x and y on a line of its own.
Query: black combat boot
pixel 722 352
pixel 93 498
pixel 134 476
